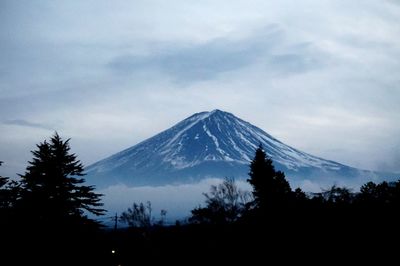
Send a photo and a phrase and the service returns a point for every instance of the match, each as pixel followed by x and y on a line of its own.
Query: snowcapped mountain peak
pixel 206 144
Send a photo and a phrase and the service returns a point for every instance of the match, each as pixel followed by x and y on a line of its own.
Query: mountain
pixel 215 144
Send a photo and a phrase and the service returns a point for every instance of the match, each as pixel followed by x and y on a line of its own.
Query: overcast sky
pixel 322 76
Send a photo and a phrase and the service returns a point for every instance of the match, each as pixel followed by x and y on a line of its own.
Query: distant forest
pixel 44 219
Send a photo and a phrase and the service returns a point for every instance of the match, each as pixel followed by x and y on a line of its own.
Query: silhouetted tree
pixel 338 196
pixel 225 203
pixel 379 195
pixel 9 193
pixel 138 216
pixel 299 194
pixel 369 194
pixel 396 193
pixel 299 198
pixel 3 191
pixel 52 190
pixel 270 188
pixel 163 217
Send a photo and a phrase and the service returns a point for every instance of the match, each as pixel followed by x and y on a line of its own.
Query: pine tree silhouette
pixel 51 224
pixel 52 190
pixel 270 188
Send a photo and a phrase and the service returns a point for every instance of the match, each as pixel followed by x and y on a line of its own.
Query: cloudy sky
pixel 321 76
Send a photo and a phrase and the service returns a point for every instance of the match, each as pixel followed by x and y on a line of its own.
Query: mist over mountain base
pixel 178 200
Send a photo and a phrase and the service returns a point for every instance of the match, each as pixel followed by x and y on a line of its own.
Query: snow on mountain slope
pixel 209 144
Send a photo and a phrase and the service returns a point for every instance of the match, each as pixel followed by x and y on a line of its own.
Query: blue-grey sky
pixel 321 76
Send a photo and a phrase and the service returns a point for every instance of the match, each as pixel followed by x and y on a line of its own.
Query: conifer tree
pixel 270 188
pixel 9 195
pixel 52 187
